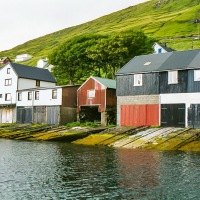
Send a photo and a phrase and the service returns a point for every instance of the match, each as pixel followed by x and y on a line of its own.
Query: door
pixel 7 116
pixel 53 116
pixel 173 115
pixel 194 116
pixel 139 115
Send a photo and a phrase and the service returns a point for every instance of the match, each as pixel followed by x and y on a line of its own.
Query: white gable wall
pixel 45 98
pixel 10 88
pixel 157 47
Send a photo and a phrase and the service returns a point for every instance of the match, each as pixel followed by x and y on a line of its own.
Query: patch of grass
pixel 83 124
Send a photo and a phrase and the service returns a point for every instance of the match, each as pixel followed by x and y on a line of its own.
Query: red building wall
pixel 98 100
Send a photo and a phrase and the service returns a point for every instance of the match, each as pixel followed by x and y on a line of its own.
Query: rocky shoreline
pixel 185 139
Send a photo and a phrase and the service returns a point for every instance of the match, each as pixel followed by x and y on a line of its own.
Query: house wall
pixel 111 99
pixel 185 98
pixel 28 83
pixel 8 89
pixel 135 100
pixel 157 47
pixel 99 98
pixel 180 87
pixel 193 86
pixel 69 96
pixel 45 97
pixel 125 85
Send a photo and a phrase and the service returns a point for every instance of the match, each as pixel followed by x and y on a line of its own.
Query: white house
pixel 43 63
pixel 159 48
pixel 22 57
pixel 15 77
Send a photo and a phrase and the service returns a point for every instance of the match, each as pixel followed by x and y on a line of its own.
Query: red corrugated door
pixel 139 115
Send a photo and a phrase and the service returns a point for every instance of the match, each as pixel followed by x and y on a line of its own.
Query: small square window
pixel 29 95
pixel 91 93
pixel 54 94
pixel 172 77
pixel 137 79
pixel 8 70
pixel 19 96
pixel 160 50
pixel 37 83
pixel 1 95
pixel 36 95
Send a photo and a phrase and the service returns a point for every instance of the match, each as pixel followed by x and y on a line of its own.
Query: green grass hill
pixel 174 22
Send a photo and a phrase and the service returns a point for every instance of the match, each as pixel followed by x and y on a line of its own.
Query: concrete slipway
pixel 169 138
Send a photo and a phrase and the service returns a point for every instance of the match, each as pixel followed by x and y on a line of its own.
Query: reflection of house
pixel 160 89
pixel 22 57
pixel 43 63
pixel 4 60
pixel 160 48
pixel 97 100
pixel 15 77
pixel 49 105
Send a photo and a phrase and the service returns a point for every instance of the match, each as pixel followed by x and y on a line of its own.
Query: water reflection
pixel 31 170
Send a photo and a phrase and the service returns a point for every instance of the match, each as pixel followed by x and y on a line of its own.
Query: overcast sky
pixel 23 20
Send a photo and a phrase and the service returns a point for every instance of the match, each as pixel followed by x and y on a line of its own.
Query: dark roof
pixel 109 83
pixel 168 49
pixel 176 60
pixel 35 73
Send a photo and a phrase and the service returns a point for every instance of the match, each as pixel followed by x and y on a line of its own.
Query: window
pixel 160 50
pixel 196 75
pixel 54 94
pixel 8 97
pixel 29 95
pixel 38 83
pixel 137 79
pixel 8 82
pixel 91 93
pixel 19 96
pixel 172 77
pixel 8 70
pixel 1 95
pixel 36 95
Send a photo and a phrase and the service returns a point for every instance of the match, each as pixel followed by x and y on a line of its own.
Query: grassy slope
pixel 172 21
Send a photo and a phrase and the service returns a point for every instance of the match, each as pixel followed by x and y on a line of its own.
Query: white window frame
pixel 54 94
pixel 91 94
pixel 197 75
pixel 8 82
pixel 37 95
pixel 137 79
pixel 29 95
pixel 8 97
pixel 172 77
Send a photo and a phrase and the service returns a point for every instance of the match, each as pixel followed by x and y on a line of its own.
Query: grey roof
pixel 35 73
pixel 168 49
pixel 109 83
pixel 137 64
pixel 176 60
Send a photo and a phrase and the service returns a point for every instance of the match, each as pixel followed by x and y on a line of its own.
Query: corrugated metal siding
pixel 140 115
pixel 125 85
pixel 39 115
pixel 180 87
pixel 53 115
pixel 99 98
pixel 24 115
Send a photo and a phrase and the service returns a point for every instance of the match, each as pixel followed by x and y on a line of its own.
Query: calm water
pixel 35 170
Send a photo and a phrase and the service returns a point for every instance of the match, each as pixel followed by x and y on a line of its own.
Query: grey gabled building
pixel 160 89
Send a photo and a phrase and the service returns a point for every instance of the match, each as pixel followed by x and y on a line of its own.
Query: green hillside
pixel 174 22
